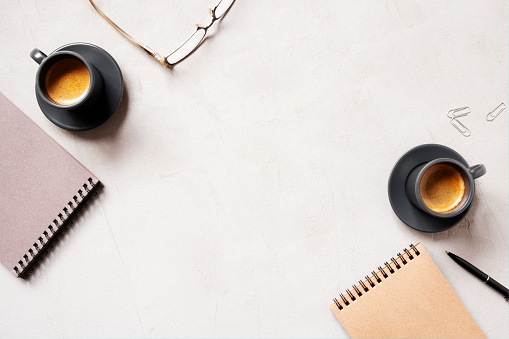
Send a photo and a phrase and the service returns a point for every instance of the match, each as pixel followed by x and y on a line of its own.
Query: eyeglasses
pixel 189 45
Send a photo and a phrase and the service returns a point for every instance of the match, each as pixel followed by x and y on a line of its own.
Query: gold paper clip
pixel 493 114
pixel 458 112
pixel 460 127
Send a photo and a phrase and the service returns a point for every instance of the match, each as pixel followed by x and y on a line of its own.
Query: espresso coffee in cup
pixel 442 188
pixel 67 81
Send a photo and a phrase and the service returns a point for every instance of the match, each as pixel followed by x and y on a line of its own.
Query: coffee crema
pixel 442 188
pixel 67 81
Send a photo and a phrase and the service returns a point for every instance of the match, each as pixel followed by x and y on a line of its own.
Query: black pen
pixel 480 274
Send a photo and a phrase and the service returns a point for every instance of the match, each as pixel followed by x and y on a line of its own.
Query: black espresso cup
pixel 66 80
pixel 443 187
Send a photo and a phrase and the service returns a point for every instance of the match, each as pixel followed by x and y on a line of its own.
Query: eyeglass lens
pixel 187 47
pixel 223 7
pixel 197 37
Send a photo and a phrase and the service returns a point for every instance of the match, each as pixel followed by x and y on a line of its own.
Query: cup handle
pixel 37 55
pixel 477 171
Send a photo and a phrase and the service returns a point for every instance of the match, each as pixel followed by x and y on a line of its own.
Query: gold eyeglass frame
pixel 156 55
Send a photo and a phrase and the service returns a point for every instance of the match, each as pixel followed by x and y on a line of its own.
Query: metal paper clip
pixel 458 112
pixel 460 127
pixel 493 114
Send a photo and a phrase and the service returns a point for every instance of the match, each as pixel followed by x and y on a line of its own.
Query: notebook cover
pixel 416 301
pixel 40 187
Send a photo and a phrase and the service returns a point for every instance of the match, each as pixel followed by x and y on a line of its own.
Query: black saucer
pixel 105 107
pixel 404 209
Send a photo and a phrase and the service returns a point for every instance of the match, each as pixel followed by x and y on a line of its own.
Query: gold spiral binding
pixel 376 278
pixel 50 234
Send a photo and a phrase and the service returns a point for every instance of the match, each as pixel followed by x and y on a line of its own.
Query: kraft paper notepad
pixel 42 187
pixel 407 297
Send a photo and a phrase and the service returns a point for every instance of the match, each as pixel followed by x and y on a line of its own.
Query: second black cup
pixel 443 187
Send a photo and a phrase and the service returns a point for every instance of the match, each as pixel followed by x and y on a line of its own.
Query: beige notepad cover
pixel 416 301
pixel 41 186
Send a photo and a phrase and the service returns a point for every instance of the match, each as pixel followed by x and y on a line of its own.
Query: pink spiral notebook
pixel 42 189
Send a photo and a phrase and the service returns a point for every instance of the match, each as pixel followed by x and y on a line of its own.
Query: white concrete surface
pixel 247 187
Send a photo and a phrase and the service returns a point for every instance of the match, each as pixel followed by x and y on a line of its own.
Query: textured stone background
pixel 247 187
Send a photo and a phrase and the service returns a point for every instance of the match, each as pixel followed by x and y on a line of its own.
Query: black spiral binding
pixel 375 279
pixel 64 219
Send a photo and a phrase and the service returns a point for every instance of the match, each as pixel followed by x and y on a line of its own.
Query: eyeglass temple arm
pixel 133 40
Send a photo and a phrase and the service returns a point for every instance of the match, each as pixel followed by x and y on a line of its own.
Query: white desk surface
pixel 247 187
